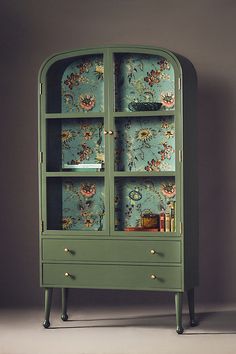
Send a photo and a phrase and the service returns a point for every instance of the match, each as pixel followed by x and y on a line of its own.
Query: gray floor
pixel 113 331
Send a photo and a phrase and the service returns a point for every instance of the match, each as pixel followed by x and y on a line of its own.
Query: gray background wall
pixel 203 31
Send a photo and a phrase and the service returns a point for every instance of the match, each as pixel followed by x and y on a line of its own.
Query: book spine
pixel 172 217
pixel 167 222
pixel 162 222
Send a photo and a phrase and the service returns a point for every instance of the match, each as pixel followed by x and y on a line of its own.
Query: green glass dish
pixel 144 106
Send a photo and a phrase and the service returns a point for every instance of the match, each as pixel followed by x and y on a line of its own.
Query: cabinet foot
pixel 48 302
pixel 46 324
pixel 180 330
pixel 193 321
pixel 64 298
pixel 178 310
pixel 64 317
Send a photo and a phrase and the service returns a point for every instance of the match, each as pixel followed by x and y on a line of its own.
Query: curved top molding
pixel 174 58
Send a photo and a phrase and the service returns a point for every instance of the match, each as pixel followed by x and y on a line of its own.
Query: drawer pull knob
pixel 66 250
pixel 67 274
pixel 105 132
pixel 110 132
pixel 153 276
pixel 152 251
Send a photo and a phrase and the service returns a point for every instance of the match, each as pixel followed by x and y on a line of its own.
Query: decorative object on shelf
pixel 149 221
pixel 83 167
pixel 144 106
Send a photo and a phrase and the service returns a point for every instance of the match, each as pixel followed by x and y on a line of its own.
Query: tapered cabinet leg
pixel 178 309
pixel 190 294
pixel 64 298
pixel 48 302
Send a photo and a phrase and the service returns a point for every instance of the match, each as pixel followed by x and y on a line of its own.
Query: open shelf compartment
pixel 145 144
pixel 76 85
pixel 143 83
pixel 142 203
pixel 75 145
pixel 75 203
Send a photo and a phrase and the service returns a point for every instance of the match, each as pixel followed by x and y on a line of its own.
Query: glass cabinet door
pixel 144 193
pixel 75 188
pixel 143 82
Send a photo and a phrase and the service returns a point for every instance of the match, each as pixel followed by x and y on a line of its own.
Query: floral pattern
pixel 82 141
pixel 145 144
pixel 82 85
pixel 143 78
pixel 83 204
pixel 135 197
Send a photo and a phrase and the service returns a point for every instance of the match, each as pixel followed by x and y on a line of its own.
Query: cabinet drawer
pixel 112 250
pixel 112 276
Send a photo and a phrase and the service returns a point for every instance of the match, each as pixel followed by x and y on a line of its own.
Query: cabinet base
pixel 178 304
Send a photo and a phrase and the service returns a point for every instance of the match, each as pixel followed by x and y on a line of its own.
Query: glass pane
pixel 83 86
pixel 75 204
pixel 143 83
pixel 145 204
pixel 75 144
pixel 145 144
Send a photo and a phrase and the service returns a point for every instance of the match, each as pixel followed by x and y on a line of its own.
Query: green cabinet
pixel 117 172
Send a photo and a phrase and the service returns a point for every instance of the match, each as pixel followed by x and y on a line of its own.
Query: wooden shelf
pixel 74 115
pixel 143 114
pixel 144 174
pixel 75 174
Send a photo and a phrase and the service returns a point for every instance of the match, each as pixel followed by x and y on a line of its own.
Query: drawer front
pixel 112 250
pixel 112 276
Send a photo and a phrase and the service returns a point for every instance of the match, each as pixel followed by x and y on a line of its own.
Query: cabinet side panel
pixel 190 178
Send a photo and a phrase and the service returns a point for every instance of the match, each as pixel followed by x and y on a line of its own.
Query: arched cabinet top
pixel 140 79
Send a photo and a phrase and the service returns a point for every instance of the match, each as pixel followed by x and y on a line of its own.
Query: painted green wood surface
pixel 112 276
pixel 112 251
pixel 182 112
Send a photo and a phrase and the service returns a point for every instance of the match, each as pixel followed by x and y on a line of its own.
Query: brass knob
pixel 105 132
pixel 152 251
pixel 67 274
pixel 110 132
pixel 66 250
pixel 153 276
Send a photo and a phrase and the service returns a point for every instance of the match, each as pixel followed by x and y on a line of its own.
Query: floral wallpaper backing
pixel 141 144
pixel 82 141
pixel 143 78
pixel 83 204
pixel 135 196
pixel 145 144
pixel 83 86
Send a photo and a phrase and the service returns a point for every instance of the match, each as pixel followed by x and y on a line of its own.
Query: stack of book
pixel 167 219
pixel 83 167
